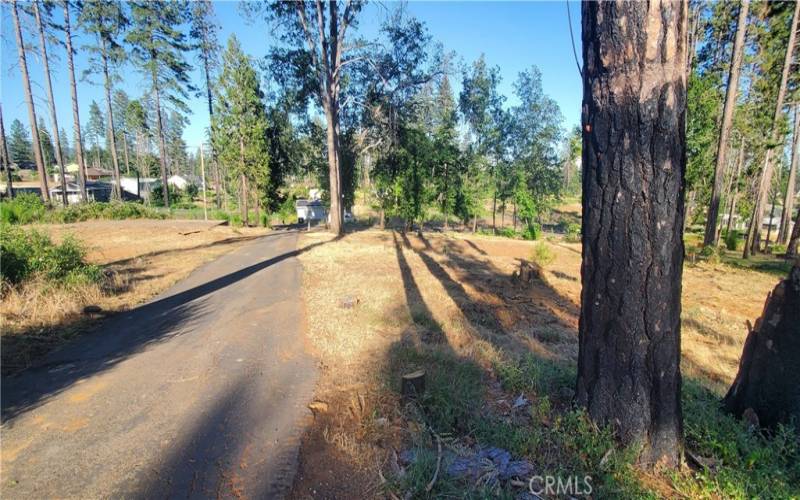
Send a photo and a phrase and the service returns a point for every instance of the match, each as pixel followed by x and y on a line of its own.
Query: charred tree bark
pixel 634 160
pixel 769 370
pixel 712 235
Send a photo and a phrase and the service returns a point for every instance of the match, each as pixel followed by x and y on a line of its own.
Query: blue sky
pixel 512 35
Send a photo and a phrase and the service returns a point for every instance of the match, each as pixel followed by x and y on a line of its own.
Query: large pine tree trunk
pixel 51 102
pixel 162 146
pixel 334 173
pixel 791 185
pixel 712 235
pixel 769 371
pixel 634 160
pixel 766 174
pixel 23 67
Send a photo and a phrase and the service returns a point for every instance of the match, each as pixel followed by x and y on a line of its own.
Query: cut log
pixel 413 384
pixel 765 389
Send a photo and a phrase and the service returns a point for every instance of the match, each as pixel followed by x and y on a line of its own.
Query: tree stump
pixel 528 271
pixel 769 370
pixel 413 384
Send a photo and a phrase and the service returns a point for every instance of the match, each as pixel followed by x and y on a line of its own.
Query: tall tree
pixel 481 106
pixel 42 14
pixel 204 34
pixel 107 21
pixel 318 39
pixel 76 119
pixel 19 145
pixel 712 235
pixel 5 159
pixel 23 67
pixel 137 120
pixel 123 128
pixel 240 126
pixel 791 183
pixel 46 143
pixel 95 130
pixel 765 183
pixel 158 48
pixel 634 159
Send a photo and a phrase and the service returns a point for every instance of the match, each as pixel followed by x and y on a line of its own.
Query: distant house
pixel 95 174
pixel 142 187
pixel 182 181
pixel 310 210
pixel 95 191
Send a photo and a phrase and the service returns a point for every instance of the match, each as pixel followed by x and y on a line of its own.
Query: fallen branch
pixel 438 465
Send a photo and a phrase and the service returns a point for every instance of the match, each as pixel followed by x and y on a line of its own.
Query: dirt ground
pixel 141 258
pixel 372 290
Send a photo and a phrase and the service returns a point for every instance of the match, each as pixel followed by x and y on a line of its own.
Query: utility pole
pixel 203 176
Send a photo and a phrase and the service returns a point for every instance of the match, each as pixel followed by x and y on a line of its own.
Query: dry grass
pixel 141 258
pixel 454 293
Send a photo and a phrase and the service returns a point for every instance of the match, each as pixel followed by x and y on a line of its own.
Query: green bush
pixel 23 209
pixel 731 239
pixel 573 232
pixel 532 232
pixel 778 248
pixel 507 232
pixel 26 254
pixel 542 255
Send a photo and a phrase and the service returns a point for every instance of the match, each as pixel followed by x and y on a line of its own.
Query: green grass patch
pixel 742 463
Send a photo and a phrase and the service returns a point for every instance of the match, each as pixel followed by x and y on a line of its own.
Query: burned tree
pixel 634 159
pixel 769 371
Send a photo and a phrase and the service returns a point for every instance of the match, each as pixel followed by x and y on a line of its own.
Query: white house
pixel 310 210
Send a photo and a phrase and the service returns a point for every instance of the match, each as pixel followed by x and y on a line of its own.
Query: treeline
pixel 380 114
pixel 742 121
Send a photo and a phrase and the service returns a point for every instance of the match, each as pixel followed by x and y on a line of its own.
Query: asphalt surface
pixel 200 393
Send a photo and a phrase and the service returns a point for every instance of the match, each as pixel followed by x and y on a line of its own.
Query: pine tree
pixel 158 49
pixel 42 13
pixel 46 143
pixel 76 120
pixel 23 65
pixel 106 20
pixel 204 34
pixel 95 130
pixel 122 128
pixel 19 145
pixel 239 125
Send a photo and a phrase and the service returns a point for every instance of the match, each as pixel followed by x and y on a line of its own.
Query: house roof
pixel 308 203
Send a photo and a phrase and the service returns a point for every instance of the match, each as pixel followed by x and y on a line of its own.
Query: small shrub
pixel 573 233
pixel 532 232
pixel 778 248
pixel 31 253
pixel 542 255
pixel 507 232
pixel 23 209
pixel 732 239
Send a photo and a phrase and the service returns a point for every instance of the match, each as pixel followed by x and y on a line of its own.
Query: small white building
pixel 183 181
pixel 310 210
pixel 143 190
